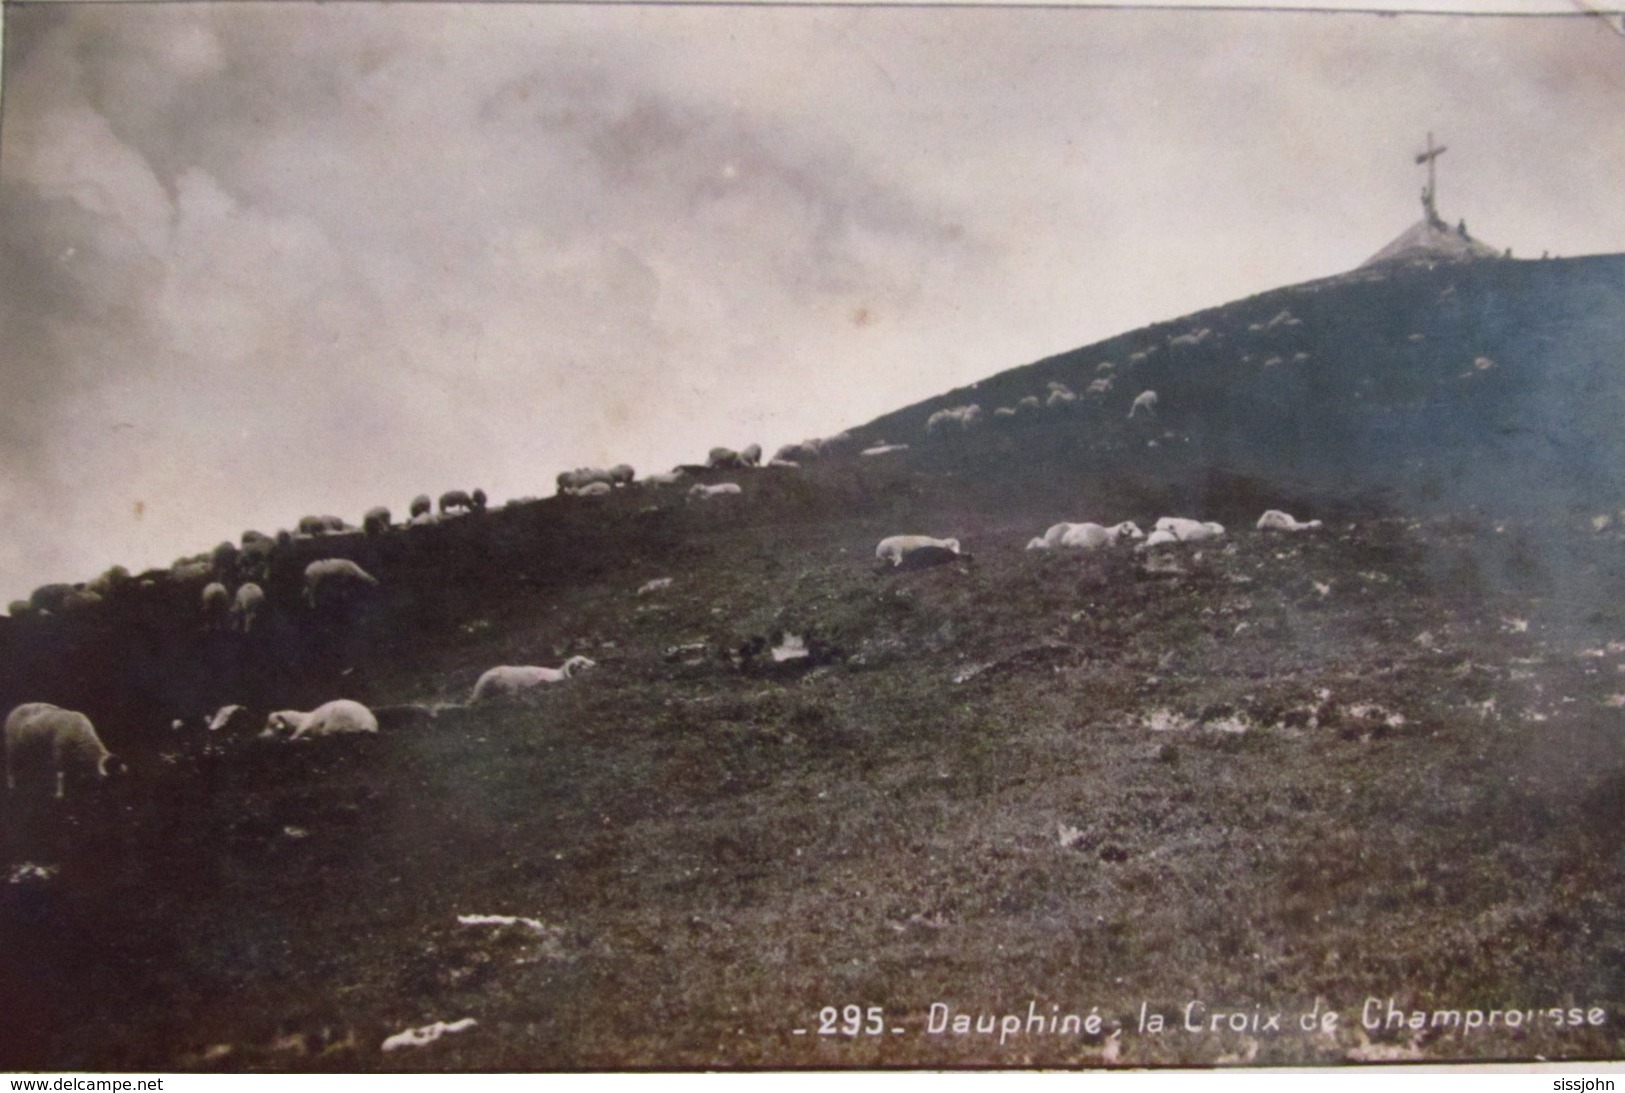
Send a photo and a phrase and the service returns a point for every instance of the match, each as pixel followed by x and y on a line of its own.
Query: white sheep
pixel 883 449
pixel 1085 536
pixel 669 478
pixel 1188 531
pixel 574 482
pixel 216 605
pixel 961 417
pixel 246 607
pixel 1005 411
pixel 701 492
pixel 1099 386
pixel 60 742
pixel 334 576
pixel 622 474
pixel 1158 537
pixel 751 456
pixel 341 716
pixel 1276 520
pixel 917 551
pixel 1145 400
pixel 376 521
pixel 595 489
pixel 728 459
pixel 1028 402
pixel 509 679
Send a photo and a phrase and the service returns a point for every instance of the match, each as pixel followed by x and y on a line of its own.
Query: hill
pixel 1374 768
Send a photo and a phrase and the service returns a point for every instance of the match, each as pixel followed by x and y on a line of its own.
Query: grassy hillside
pixel 1382 761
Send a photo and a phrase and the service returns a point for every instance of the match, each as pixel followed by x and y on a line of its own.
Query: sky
pixel 263 260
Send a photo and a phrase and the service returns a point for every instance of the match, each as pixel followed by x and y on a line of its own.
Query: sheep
pixel 917 551
pixel 334 576
pixel 1099 386
pixel 341 716
pixel 254 560
pixel 595 489
pixel 1188 531
pixel 669 478
pixel 477 499
pixel 20 609
pixel 1276 520
pixel 701 492
pixel 727 459
pixel 1158 537
pixel 1059 394
pixel 65 739
pixel 621 474
pixel 421 506
pixel 883 449
pixel 1085 536
pixel 751 456
pixel 572 482
pixel 962 417
pixel 246 607
pixel 784 464
pixel 216 604
pixel 423 519
pixel 311 525
pixel 49 598
pixel 376 521
pixel 509 679
pixel 1029 402
pixel 1145 400
pixel 455 499
pixel 1005 411
pixel 111 583
pixel 224 559
pixel 1193 338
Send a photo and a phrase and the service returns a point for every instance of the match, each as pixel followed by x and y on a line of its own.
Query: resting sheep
pixel 577 481
pixel 701 492
pixel 246 607
pixel 1145 400
pixel 331 577
pixel 1276 520
pixel 61 742
pixel 1188 531
pixel 510 679
pixel 917 551
pixel 1085 536
pixel 334 718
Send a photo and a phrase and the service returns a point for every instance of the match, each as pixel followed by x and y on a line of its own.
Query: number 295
pixel 851 1021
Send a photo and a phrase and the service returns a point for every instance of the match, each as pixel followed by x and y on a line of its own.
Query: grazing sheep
pixel 376 522
pixel 1100 386
pixel 246 607
pixel 334 718
pixel 223 560
pixel 701 492
pixel 917 551
pixel 1188 531
pixel 1145 400
pixel 61 742
pixel 421 506
pixel 509 679
pixel 654 586
pixel 1085 536
pixel 456 499
pixel 332 577
pixel 216 606
pixel 1059 394
pixel 962 417
pixel 1276 520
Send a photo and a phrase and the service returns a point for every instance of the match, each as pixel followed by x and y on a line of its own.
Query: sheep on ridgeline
pixel 1059 394
pixel 336 718
pixel 321 525
pixel 622 474
pixel 1276 520
pixel 1187 531
pixel 701 492
pixel 1085 536
pixel 187 571
pixel 113 582
pixel 917 551
pixel 216 606
pixel 376 521
pixel 813 448
pixel 1145 400
pixel 331 579
pixel 421 506
pixel 954 417
pixel 223 561
pixel 511 679
pixel 576 481
pixel 456 499
pixel 59 744
pixel 246 607
pixel 668 478
pixel 254 559
pixel 729 460
pixel 1193 338
pixel 595 489
pixel 477 499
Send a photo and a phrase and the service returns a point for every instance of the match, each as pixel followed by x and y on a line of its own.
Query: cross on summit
pixel 1430 240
